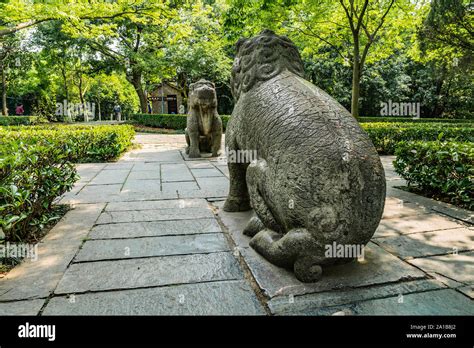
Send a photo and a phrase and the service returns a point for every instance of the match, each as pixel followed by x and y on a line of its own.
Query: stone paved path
pixel 148 236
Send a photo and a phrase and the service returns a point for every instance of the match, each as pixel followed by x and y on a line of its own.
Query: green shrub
pixel 440 169
pixel 170 121
pixel 366 119
pixel 386 135
pixel 89 143
pixel 33 172
pixel 21 120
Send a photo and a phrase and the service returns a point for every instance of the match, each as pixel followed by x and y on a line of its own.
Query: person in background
pixel 19 111
pixel 118 112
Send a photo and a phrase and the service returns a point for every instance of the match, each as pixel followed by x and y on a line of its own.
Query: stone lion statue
pixel 317 181
pixel 204 126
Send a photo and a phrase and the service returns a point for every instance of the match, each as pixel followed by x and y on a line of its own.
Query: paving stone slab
pixel 459 267
pixel 199 165
pixel 181 187
pixel 429 243
pixel 31 307
pixel 114 249
pixel 235 223
pixel 119 166
pixel 402 210
pixel 37 279
pixel 161 204
pixel 154 228
pixel 414 224
pixel 144 175
pixel 146 166
pixel 205 193
pixel 297 305
pixel 108 177
pixel 148 272
pixel 172 156
pixel 215 298
pixel 108 217
pixel 217 183
pixel 437 302
pixel 378 267
pixel 175 172
pixel 92 191
pixel 142 186
pixel 208 172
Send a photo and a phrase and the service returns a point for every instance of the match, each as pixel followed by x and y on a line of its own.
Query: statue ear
pixel 239 43
pixel 191 87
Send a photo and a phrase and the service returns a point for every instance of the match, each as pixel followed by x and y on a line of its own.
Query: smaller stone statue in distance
pixel 204 125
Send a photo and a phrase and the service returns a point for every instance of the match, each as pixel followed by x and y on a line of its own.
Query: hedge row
pixel 33 172
pixel 386 135
pixel 412 120
pixel 439 169
pixel 89 143
pixel 36 166
pixel 21 120
pixel 173 121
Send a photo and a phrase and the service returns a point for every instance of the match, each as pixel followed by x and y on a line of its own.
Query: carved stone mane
pixel 262 58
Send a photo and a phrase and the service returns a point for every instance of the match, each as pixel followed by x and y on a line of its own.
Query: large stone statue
pixel 317 180
pixel 204 126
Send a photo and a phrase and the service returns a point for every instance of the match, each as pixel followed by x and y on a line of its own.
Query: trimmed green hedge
pixel 33 172
pixel 439 169
pixel 386 135
pixel 36 166
pixel 21 120
pixel 89 143
pixel 170 121
pixel 366 119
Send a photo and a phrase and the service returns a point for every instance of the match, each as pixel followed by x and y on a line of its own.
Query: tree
pixel 9 57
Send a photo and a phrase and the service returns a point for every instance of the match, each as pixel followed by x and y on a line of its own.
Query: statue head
pixel 261 58
pixel 202 94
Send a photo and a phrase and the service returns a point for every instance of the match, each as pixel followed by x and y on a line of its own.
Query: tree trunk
pixel 4 93
pixel 136 81
pixel 356 72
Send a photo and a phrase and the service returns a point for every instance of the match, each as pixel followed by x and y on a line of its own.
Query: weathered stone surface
pixel 147 272
pixel 108 217
pixel 459 267
pixel 175 172
pixel 154 228
pixel 204 126
pixel 107 177
pixel 29 307
pixel 112 249
pixel 206 172
pixel 378 267
pixel 37 279
pixel 307 304
pixel 414 224
pixel 215 298
pixel 316 178
pixel 429 243
pixel 162 204
pixel 468 291
pixel 437 302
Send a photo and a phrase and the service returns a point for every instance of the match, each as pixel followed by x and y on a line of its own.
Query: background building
pixel 165 99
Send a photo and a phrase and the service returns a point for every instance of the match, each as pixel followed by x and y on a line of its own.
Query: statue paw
pixel 234 205
pixel 307 271
pixel 194 154
pixel 254 226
